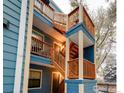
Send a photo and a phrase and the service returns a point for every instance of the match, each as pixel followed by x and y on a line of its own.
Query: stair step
pixel 74 50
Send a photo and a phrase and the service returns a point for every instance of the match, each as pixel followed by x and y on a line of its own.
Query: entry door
pixel 55 82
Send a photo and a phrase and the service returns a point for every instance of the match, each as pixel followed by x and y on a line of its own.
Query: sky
pixel 64 5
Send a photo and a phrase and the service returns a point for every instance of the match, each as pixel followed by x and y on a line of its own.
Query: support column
pixel 80 13
pixel 80 44
pixel 66 61
pixel 67 57
pixel 67 23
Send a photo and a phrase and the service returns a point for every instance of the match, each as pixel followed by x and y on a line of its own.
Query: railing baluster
pixel 37 47
pixel 89 72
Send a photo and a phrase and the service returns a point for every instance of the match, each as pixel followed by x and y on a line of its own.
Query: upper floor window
pixel 40 37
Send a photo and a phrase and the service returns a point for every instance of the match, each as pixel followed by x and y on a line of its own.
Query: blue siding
pixel 89 86
pixel 43 19
pixel 40 59
pixel 89 53
pixel 73 85
pixel 78 27
pixel 72 88
pixel 11 12
pixel 46 79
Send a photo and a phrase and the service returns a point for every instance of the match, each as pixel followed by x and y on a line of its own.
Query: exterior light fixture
pixel 5 23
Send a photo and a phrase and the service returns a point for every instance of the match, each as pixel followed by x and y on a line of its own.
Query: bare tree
pixel 105 23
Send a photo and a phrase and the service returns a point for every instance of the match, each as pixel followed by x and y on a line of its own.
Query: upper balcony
pixel 61 21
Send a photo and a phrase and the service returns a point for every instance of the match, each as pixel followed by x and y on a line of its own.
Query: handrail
pixel 44 9
pixel 88 69
pixel 73 17
pixel 88 16
pixel 58 58
pixel 37 48
pixel 73 11
pixel 88 22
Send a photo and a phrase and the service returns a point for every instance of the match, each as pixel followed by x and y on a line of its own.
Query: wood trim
pixel 20 48
pixel 28 47
pixel 42 64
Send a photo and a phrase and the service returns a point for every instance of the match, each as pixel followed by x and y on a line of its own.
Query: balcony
pixel 73 19
pixel 88 69
pixel 43 49
pixel 60 20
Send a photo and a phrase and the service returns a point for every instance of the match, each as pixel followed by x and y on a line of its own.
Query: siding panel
pixel 8 80
pixel 12 6
pixel 11 12
pixel 8 88
pixel 8 72
pixel 10 41
pixel 9 64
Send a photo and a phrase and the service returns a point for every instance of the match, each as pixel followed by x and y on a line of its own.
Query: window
pixel 40 37
pixel 35 79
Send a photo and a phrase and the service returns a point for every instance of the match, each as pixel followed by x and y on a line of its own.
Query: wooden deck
pixel 60 20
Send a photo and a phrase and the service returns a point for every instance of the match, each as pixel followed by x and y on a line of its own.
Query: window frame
pixel 40 87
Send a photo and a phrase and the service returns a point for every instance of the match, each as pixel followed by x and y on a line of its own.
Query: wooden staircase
pixel 73 51
pixel 59 60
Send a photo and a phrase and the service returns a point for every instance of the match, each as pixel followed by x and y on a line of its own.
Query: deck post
pixel 80 13
pixel 67 23
pixel 67 57
pixel 66 61
pixel 80 44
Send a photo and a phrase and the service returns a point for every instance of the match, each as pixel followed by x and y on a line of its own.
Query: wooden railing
pixel 88 69
pixel 58 58
pixel 44 49
pixel 60 19
pixel 73 69
pixel 73 19
pixel 88 22
pixel 40 48
pixel 44 9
